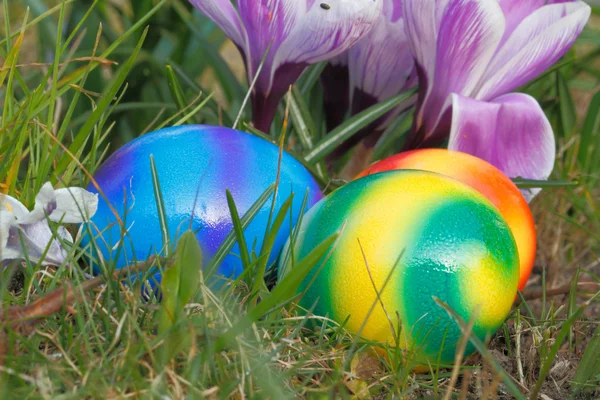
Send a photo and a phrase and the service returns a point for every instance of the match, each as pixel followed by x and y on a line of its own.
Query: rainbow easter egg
pixel 487 180
pixel 196 164
pixel 428 236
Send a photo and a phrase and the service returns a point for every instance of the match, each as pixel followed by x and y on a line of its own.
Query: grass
pixel 71 96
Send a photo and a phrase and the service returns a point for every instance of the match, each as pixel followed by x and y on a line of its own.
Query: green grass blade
pixel 239 231
pixel 590 134
pixel 230 239
pixel 589 366
pixel 284 291
pixel 310 77
pixel 568 115
pixel 483 350
pixel 354 125
pixel 103 105
pixel 160 206
pixel 303 123
pixel 175 88
pixel 558 341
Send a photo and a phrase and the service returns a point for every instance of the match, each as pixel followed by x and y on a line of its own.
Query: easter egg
pixel 195 165
pixel 409 236
pixel 487 180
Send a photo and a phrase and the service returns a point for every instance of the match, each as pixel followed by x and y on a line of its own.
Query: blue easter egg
pixel 196 164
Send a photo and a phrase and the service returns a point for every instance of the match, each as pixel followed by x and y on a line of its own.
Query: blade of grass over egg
pixel 483 350
pixel 287 259
pixel 101 108
pixel 353 125
pixel 160 206
pixel 269 241
pixel 355 341
pixel 238 230
pixel 230 239
pixel 180 282
pixel 284 291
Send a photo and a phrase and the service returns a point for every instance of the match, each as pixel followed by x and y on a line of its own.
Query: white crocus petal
pixel 12 205
pixel 38 237
pixel 25 234
pixel 74 205
pixel 45 203
pixel 7 221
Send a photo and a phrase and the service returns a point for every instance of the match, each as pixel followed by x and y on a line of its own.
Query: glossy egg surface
pixel 487 180
pixel 427 236
pixel 196 164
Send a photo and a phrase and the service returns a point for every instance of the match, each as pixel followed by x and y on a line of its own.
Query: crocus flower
pixel 290 35
pixel 381 67
pixel 26 234
pixel 378 67
pixel 470 55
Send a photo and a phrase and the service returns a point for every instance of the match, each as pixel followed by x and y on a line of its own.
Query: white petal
pixel 45 203
pixel 13 205
pixel 74 205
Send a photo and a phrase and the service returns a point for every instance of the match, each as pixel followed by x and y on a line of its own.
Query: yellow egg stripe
pixel 480 281
pixel 352 286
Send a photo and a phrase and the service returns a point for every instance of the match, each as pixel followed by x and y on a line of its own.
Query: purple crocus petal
pixel 226 17
pixel 380 63
pixel 268 23
pixel 380 66
pixel 328 29
pixel 511 132
pixel 335 80
pixel 421 32
pixel 537 43
pixel 467 37
pixel 515 11
pixel 392 10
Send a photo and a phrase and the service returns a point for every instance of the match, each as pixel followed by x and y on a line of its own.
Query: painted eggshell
pixel 487 180
pixel 431 236
pixel 195 165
